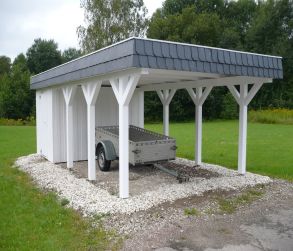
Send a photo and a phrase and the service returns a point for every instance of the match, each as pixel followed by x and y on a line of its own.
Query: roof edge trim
pixel 84 56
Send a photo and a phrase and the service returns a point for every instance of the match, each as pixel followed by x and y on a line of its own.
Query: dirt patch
pixel 191 171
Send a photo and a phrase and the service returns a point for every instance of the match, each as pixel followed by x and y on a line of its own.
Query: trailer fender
pixel 109 149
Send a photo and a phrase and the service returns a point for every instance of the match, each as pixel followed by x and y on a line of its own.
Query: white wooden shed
pixel 107 87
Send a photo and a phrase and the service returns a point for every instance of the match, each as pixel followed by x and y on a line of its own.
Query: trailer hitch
pixel 177 174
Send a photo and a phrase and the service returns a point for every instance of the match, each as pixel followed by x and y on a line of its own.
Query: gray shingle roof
pixel 155 54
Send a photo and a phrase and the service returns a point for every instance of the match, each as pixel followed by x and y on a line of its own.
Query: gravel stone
pixel 92 199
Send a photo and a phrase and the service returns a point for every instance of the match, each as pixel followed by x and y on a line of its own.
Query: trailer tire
pixel 103 163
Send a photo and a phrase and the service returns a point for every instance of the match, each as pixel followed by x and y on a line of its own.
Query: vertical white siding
pixel 106 108
pixel 59 126
pixel 79 126
pixel 51 121
pixel 44 123
pixel 134 109
pixel 38 121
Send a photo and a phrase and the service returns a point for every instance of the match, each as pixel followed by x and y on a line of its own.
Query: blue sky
pixel 21 21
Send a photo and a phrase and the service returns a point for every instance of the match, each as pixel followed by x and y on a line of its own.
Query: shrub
pixel 272 116
pixel 229 107
pixel 18 122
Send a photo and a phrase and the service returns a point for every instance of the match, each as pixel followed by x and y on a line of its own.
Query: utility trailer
pixel 145 147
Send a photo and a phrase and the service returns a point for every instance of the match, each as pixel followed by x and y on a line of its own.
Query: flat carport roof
pixel 162 55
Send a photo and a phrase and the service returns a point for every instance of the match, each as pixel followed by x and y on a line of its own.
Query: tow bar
pixel 180 176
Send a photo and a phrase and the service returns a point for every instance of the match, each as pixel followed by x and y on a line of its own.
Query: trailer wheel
pixel 103 164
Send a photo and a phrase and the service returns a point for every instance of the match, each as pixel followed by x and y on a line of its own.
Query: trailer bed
pixel 144 146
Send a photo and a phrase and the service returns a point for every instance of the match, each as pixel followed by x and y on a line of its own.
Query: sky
pixel 22 21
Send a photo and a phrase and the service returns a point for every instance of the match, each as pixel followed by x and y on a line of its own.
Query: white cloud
pixel 22 21
pixel 152 5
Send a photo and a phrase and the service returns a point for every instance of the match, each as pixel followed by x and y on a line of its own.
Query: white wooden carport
pixel 163 67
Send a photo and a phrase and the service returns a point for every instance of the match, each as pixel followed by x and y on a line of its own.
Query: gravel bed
pixel 91 199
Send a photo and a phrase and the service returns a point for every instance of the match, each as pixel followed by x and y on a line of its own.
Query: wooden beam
pixel 198 97
pixel 124 87
pixel 243 98
pixel 69 93
pixel 166 96
pixel 91 91
pixel 224 81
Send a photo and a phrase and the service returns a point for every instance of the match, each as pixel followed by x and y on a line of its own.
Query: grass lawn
pixel 269 146
pixel 30 219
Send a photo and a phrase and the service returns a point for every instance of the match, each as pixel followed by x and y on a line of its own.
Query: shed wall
pixel 44 123
pixel 51 121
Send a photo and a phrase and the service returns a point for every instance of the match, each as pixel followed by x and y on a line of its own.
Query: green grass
pixel 269 146
pixel 230 205
pixel 34 220
pixel 272 116
pixel 191 212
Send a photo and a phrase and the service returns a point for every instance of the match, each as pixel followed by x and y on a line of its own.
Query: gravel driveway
pixel 265 224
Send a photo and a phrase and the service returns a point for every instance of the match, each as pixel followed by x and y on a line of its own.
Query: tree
pixel 271 32
pixel 4 64
pixel 239 15
pixel 43 55
pixel 171 7
pixel 16 98
pixel 70 54
pixel 188 27
pixel 110 21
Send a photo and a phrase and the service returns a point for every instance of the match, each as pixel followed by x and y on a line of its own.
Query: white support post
pixel 243 99
pixel 166 97
pixel 198 99
pixel 123 88
pixel 242 130
pixel 91 91
pixel 141 108
pixel 68 93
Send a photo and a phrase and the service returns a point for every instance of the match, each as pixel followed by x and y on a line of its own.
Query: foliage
pixel 17 101
pixel 31 219
pixel 111 21
pixel 5 63
pixel 272 116
pixel 152 103
pixel 191 212
pixel 269 146
pixel 257 26
pixel 18 122
pixel 43 55
pixel 187 27
pixel 229 108
pixel 70 54
pixel 16 98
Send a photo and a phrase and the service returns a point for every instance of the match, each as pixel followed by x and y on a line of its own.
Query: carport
pixel 128 69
